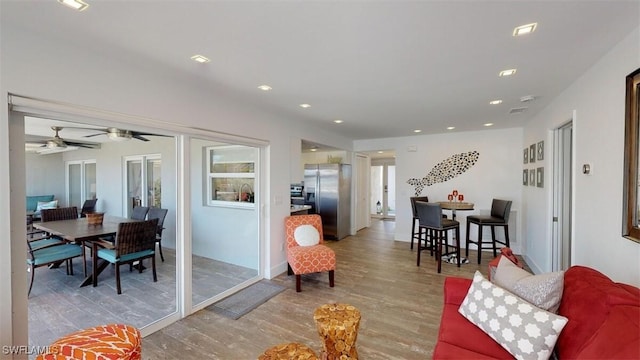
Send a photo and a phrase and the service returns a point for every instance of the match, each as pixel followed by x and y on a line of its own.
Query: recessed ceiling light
pixel 508 72
pixel 525 29
pixel 199 58
pixel 380 152
pixel 305 106
pixel 495 102
pixel 75 4
pixel 451 127
pixel 417 131
pixel 338 121
pixel 264 87
pixel 314 149
pixel 488 124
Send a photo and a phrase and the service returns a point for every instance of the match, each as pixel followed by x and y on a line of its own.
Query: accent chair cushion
pixel 524 330
pixel 543 290
pixel 110 255
pixel 306 235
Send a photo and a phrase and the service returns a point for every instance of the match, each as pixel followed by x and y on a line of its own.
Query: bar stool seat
pixel 500 210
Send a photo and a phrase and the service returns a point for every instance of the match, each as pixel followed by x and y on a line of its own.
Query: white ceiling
pixel 384 67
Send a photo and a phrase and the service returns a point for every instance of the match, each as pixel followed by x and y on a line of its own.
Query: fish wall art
pixel 446 170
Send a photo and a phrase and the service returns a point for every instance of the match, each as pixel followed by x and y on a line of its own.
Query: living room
pixel 594 101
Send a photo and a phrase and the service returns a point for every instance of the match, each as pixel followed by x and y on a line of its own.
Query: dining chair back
pixel 435 228
pixel 139 212
pixel 500 210
pixel 160 214
pixel 135 241
pixel 40 239
pixel 89 206
pixel 65 213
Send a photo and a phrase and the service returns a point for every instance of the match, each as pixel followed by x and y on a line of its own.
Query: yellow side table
pixel 290 351
pixel 337 326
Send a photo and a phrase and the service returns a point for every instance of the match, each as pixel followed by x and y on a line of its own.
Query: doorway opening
pixel 383 188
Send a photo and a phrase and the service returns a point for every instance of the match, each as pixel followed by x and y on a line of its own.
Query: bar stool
pixel 431 221
pixel 500 210
pixel 414 234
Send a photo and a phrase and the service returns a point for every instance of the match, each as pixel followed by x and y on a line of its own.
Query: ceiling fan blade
pixel 83 145
pixel 92 135
pixel 137 136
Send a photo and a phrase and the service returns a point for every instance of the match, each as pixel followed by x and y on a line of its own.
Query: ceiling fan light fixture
pixel 78 5
pixel 119 135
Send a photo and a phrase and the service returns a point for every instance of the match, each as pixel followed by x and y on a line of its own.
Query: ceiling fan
pixel 58 143
pixel 121 134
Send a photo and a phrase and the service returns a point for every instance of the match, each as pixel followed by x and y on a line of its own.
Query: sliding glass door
pixel 80 182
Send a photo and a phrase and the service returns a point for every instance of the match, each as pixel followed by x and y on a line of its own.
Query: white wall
pixel 496 174
pixel 45 176
pixel 598 99
pixel 221 233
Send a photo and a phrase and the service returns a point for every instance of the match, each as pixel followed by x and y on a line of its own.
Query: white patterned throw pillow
pixel 524 330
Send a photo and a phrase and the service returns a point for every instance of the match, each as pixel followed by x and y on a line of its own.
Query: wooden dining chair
pixel 39 239
pixel 135 241
pixel 53 253
pixel 139 212
pixel 89 206
pixel 160 214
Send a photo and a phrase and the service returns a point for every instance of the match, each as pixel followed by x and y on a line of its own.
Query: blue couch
pixel 32 202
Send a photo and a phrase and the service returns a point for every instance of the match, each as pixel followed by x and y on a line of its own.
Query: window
pixel 631 223
pixel 231 175
pixel 81 182
pixel 143 181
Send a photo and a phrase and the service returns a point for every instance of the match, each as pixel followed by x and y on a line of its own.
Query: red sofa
pixel 604 321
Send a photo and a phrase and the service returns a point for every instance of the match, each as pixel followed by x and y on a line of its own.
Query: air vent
pixel 517 110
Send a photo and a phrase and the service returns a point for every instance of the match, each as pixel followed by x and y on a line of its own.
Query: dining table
pixel 455 206
pixel 80 231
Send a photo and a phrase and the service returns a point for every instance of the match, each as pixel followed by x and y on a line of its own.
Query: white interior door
pixel 363 163
pixel 562 165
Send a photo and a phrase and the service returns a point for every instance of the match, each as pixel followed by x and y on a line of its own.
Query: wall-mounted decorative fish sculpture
pixel 446 170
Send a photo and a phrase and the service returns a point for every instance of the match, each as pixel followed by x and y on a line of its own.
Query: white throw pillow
pixel 46 205
pixel 524 330
pixel 543 290
pixel 306 235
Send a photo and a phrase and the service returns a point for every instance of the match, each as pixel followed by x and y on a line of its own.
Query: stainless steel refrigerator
pixel 327 188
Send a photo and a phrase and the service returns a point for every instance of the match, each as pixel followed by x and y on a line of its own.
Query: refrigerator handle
pixel 317 191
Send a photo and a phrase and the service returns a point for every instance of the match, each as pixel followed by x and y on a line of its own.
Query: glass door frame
pixel 144 191
pixel 83 181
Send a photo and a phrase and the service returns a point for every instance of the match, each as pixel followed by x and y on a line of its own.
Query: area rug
pixel 247 299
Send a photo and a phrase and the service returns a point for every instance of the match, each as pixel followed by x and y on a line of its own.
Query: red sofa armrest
pixel 455 290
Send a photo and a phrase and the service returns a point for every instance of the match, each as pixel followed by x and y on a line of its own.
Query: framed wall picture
pixel 532 177
pixel 540 177
pixel 532 153
pixel 541 150
pixel 525 156
pixel 525 176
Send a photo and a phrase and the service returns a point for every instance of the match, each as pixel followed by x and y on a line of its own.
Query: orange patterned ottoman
pixel 106 342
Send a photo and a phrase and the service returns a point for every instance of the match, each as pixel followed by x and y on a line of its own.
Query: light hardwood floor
pixel 400 305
